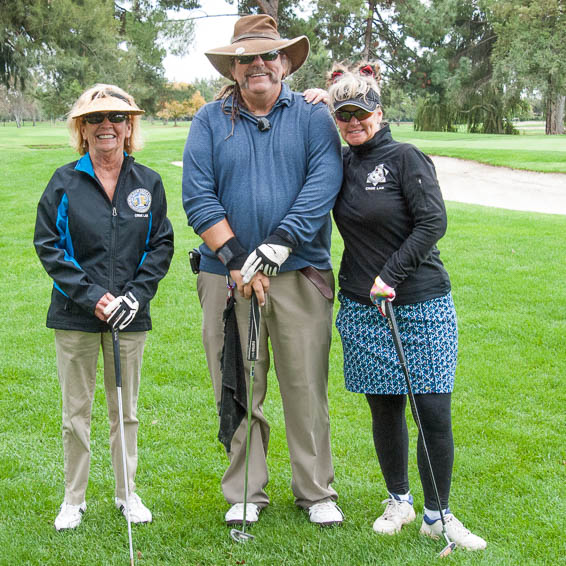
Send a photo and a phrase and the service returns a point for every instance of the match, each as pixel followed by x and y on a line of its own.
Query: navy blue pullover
pixel 286 177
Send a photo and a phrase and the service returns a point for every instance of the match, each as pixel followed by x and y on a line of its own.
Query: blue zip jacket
pixel 90 245
pixel 286 177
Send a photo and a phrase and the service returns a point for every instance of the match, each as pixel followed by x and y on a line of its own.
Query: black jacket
pixel 90 246
pixel 390 213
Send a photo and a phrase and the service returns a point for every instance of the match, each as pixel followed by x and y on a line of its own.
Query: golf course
pixel 508 408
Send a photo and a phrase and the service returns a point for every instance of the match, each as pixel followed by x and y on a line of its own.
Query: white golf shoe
pixel 326 514
pixel 397 513
pixel 139 513
pixel 235 515
pixel 455 530
pixel 69 516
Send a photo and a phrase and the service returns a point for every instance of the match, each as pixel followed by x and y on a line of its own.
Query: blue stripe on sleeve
pixel 65 242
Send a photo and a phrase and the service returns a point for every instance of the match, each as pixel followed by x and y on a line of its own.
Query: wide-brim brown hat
pixel 107 101
pixel 254 35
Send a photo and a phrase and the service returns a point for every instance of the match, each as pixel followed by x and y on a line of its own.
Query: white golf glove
pixel 267 258
pixel 121 311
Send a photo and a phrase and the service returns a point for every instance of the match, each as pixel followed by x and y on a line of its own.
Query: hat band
pixel 244 37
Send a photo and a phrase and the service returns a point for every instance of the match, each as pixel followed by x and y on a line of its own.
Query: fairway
pixel 507 271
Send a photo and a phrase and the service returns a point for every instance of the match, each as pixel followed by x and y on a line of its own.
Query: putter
pixel 253 339
pixel 450 546
pixel 118 371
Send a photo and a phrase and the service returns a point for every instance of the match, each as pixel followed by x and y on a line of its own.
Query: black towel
pixel 233 402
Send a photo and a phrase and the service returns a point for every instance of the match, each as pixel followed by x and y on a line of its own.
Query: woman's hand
pixel 381 292
pixel 103 302
pixel 315 95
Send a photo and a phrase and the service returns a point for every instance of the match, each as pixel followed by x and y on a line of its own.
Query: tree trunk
pixel 269 7
pixel 367 33
pixel 555 114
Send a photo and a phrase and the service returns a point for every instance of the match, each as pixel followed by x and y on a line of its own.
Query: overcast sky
pixel 210 33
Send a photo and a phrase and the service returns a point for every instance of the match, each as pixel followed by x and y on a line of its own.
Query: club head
pixel 448 549
pixel 240 536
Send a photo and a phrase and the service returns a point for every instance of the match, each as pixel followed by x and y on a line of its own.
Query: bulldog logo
pixel 377 176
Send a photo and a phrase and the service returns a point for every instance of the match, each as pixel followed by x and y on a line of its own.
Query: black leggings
pixel 391 440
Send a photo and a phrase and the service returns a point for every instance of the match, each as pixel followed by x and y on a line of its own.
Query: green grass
pixel 509 418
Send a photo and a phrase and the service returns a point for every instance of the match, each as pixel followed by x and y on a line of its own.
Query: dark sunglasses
pixel 98 117
pixel 247 59
pixel 347 115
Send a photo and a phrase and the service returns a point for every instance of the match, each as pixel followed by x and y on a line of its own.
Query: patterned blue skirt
pixel 429 333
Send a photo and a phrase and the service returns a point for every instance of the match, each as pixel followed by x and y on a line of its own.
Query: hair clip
pixel 336 75
pixel 367 70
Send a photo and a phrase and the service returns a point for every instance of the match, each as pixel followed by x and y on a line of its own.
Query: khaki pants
pixel 297 320
pixel 77 356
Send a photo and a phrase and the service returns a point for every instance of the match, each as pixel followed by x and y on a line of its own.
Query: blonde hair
pixel 78 142
pixel 350 85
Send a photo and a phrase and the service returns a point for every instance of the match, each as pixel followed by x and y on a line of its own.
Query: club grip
pixel 253 329
pixel 116 346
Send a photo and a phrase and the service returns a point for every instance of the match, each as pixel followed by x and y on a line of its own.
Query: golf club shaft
pixel 118 372
pixel 253 334
pixel 401 354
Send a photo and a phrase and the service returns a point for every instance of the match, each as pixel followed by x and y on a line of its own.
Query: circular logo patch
pixel 240 50
pixel 139 200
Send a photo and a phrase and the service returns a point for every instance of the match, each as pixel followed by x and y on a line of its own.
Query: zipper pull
pixel 114 212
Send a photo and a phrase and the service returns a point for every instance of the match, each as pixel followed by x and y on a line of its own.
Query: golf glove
pixel 121 311
pixel 269 256
pixel 381 292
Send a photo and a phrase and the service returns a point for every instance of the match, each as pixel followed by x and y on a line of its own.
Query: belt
pixel 312 274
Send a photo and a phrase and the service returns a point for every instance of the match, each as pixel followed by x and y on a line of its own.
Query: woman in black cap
pixel 390 213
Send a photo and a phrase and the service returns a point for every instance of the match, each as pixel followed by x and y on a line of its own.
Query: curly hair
pixel 347 83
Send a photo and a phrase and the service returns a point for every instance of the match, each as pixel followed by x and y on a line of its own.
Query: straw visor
pixel 107 101
pixel 254 35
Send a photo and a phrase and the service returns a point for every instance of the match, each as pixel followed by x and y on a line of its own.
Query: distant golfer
pixel 261 171
pixel 103 236
pixel 391 214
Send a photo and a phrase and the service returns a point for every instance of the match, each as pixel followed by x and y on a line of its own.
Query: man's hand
pixel 259 284
pixel 121 311
pixel 267 258
pixel 381 292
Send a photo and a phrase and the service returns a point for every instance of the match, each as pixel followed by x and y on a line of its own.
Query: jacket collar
pixel 84 164
pixel 382 137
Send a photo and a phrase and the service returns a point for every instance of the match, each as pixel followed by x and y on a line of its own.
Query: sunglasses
pixel 98 117
pixel 247 59
pixel 347 115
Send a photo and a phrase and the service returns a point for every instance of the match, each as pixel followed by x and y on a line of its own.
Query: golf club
pixel 450 546
pixel 118 371
pixel 253 345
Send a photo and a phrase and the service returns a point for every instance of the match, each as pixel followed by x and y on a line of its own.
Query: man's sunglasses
pixel 347 115
pixel 98 117
pixel 247 59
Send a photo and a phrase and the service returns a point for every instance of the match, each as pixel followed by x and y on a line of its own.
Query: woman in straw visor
pixel 103 236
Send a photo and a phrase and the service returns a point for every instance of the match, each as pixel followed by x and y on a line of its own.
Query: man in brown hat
pixel 261 171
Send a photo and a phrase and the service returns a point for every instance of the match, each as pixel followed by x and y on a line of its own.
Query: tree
pixel 530 53
pixel 68 45
pixel 174 110
pixel 196 102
